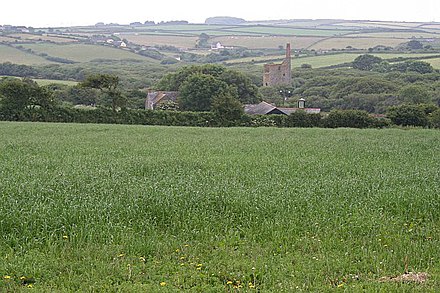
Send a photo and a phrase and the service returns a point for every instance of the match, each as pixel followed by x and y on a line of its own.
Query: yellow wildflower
pixel 30 286
pixel 142 259
pixel 163 284
pixel 65 237
pixel 229 282
pixel 251 285
pixel 121 254
pixel 341 285
pixel 7 277
pixel 22 278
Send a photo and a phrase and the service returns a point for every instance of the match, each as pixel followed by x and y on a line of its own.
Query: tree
pixel 414 94
pixel 18 95
pixel 435 118
pixel 247 90
pixel 414 45
pixel 407 115
pixel 197 92
pixel 107 84
pixel 102 82
pixel 227 108
pixel 366 62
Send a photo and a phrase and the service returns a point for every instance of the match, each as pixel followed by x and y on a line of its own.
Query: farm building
pixel 265 108
pixel 156 98
pixel 279 74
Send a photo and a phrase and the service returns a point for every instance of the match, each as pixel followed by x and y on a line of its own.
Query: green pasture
pixel 267 42
pixel 273 30
pixel 83 52
pixel 113 208
pixel 355 42
pixel 9 54
pixel 151 40
pixel 330 59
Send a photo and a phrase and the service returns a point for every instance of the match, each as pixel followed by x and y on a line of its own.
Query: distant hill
pixel 224 20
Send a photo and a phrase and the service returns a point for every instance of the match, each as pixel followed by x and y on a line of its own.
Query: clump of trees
pixel 200 86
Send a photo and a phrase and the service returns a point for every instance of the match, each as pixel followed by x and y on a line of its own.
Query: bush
pixel 408 115
pixel 349 118
pixel 434 119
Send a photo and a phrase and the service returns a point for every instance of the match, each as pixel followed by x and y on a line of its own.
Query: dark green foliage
pixel 197 92
pixel 108 85
pixel 408 115
pixel 101 81
pixel 414 94
pixel 414 66
pixel 349 118
pixel 247 91
pixel 366 62
pixel 20 96
pixel 434 118
pixel 226 107
pixel 302 119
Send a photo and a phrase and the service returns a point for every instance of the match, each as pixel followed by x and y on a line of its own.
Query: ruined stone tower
pixel 278 74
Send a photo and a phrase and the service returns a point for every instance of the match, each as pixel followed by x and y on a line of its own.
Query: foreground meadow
pixel 165 209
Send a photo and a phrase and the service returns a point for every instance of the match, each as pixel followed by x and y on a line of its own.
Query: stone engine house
pixel 279 74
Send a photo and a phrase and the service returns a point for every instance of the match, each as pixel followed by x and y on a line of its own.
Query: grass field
pixel 152 40
pixel 83 52
pixel 252 42
pixel 355 42
pixel 8 54
pixel 330 59
pixel 108 208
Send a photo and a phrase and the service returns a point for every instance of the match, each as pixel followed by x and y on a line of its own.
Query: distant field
pixel 114 208
pixel 82 52
pixel 43 82
pixel 266 42
pixel 289 31
pixel 326 60
pixel 434 62
pixel 151 40
pixel 55 39
pixel 8 54
pixel 396 35
pixel 357 42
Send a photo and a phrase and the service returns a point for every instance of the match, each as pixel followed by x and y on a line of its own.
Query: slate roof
pixel 265 108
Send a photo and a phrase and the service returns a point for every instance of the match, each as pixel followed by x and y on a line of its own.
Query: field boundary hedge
pixel 338 118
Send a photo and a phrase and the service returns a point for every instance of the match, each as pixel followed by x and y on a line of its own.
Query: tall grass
pixel 133 208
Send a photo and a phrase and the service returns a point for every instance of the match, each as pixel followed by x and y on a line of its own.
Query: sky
pixel 44 13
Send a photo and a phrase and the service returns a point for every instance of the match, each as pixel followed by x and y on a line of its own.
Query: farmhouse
pixel 265 108
pixel 279 74
pixel 155 98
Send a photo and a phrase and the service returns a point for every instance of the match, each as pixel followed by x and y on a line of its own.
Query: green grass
pixel 8 54
pixel 43 82
pixel 280 31
pixel 82 52
pixel 330 59
pixel 109 208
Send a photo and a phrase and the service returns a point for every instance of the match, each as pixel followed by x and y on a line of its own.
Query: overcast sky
pixel 86 12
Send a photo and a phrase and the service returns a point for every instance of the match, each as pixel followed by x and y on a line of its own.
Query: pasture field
pixel 355 42
pixel 108 208
pixel 9 54
pixel 253 42
pixel 152 40
pixel 329 59
pixel 43 82
pixel 83 52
